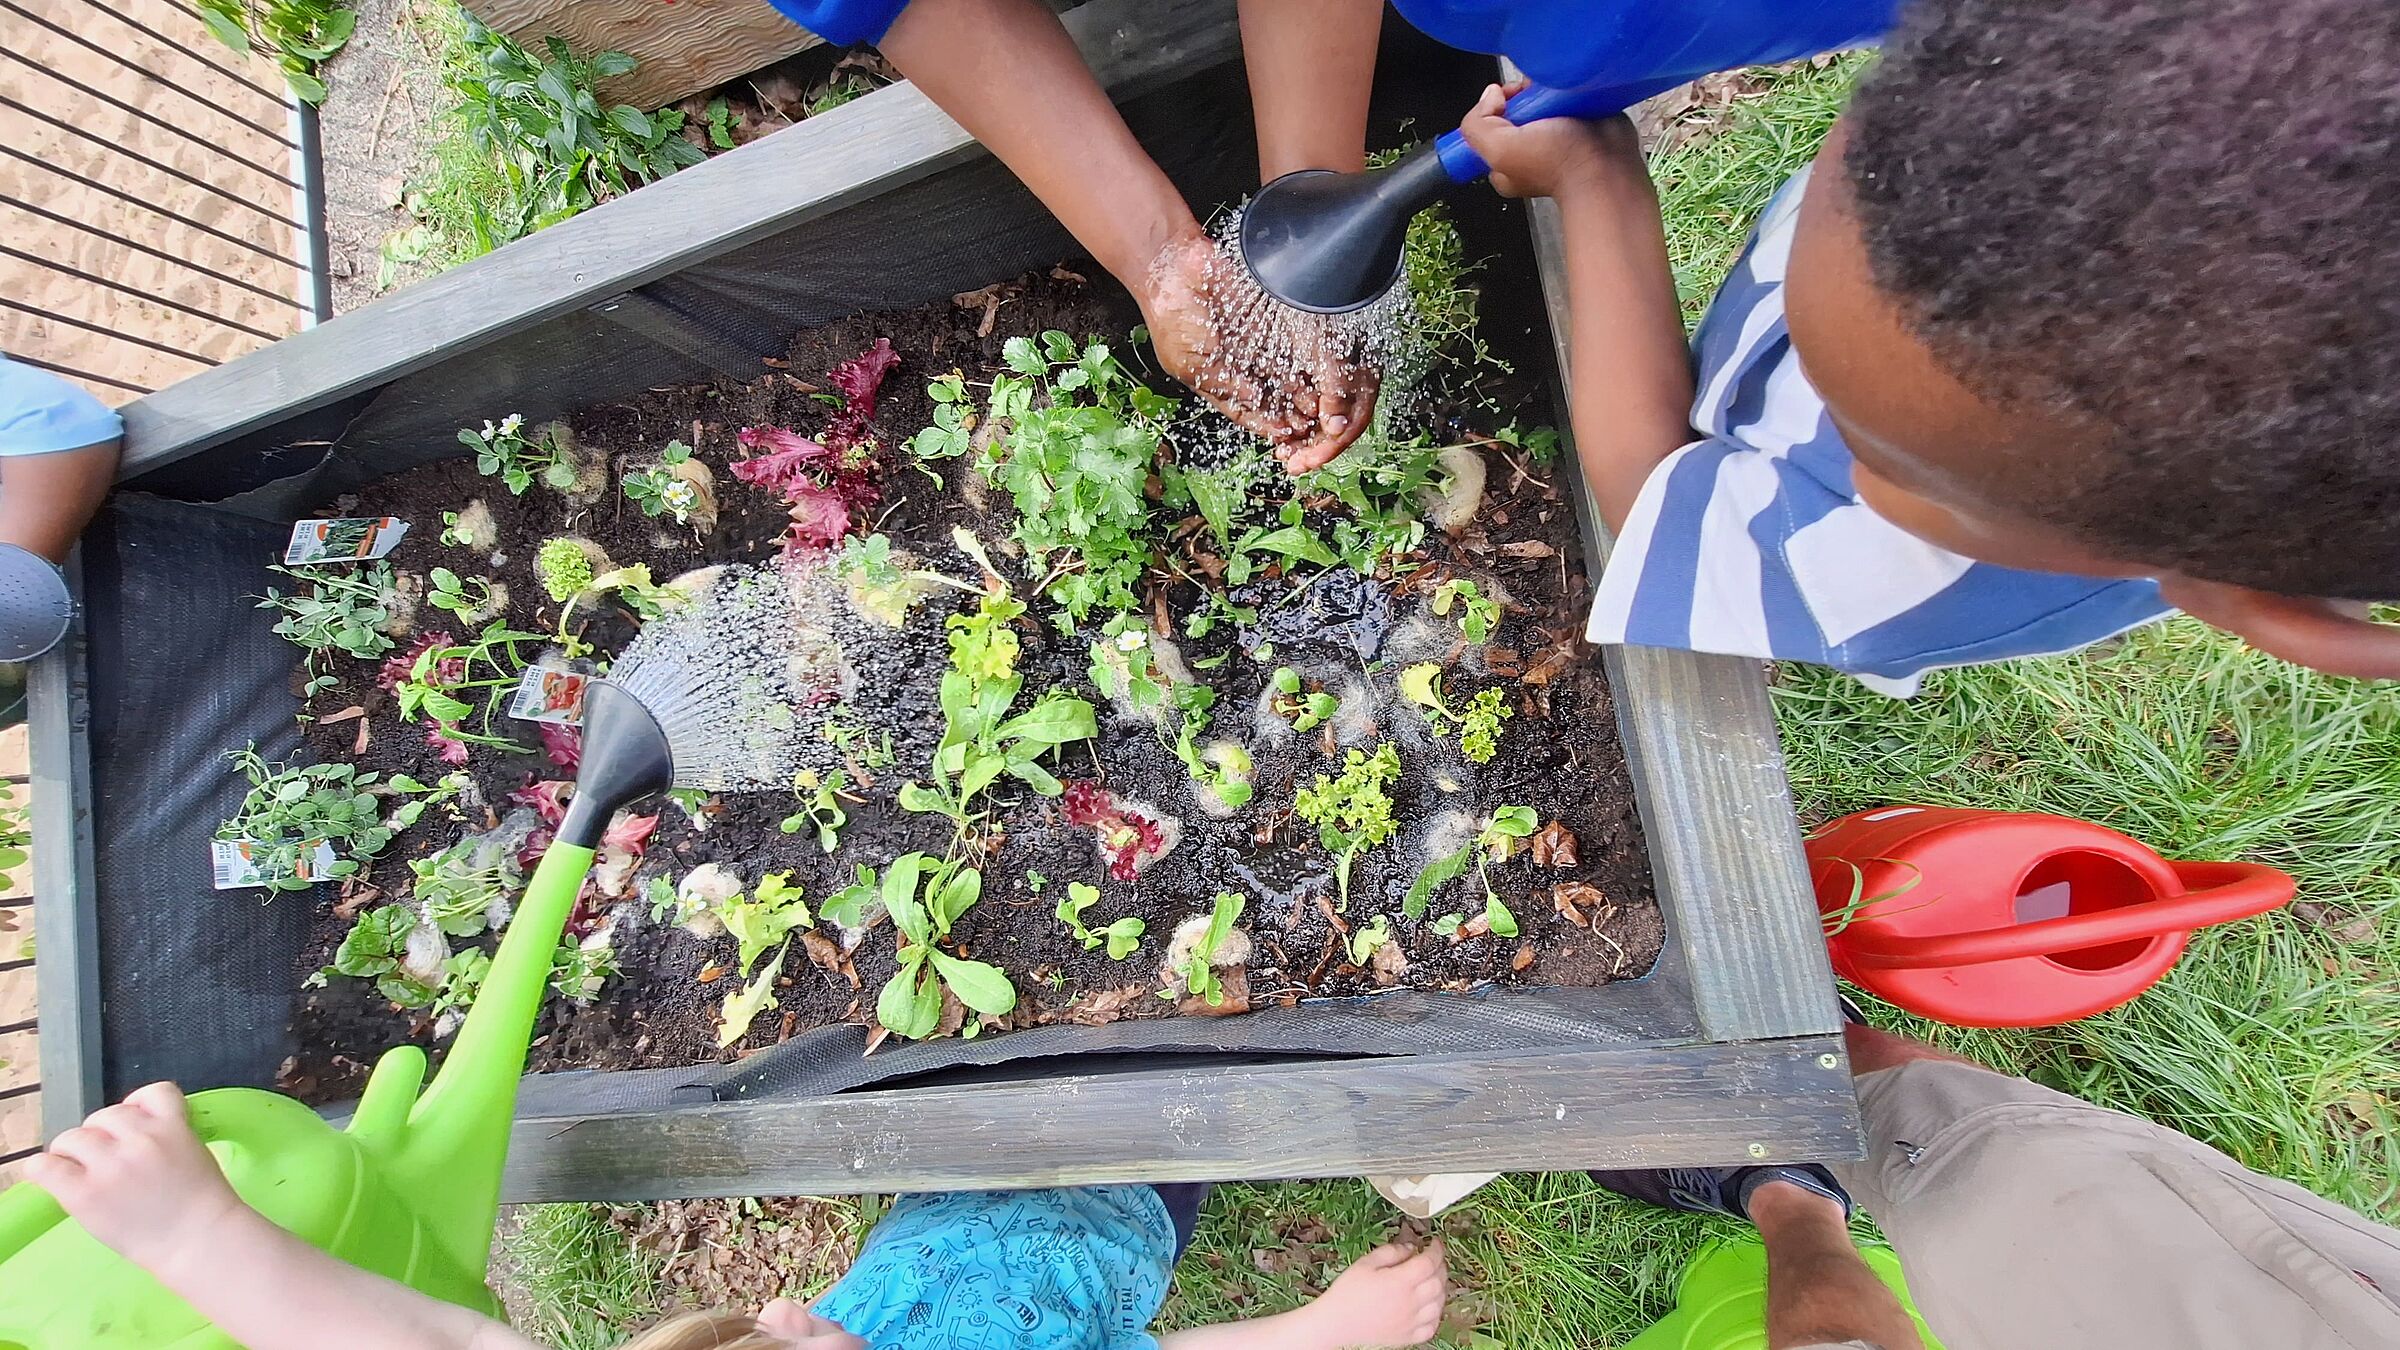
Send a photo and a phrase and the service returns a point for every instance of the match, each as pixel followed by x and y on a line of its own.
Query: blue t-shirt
pixel 1073 1269
pixel 41 414
pixel 1752 541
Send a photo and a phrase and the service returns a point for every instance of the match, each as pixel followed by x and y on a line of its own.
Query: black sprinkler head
pixel 1329 243
pixel 626 757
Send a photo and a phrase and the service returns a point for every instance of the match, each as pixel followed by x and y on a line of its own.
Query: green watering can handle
pixel 26 1212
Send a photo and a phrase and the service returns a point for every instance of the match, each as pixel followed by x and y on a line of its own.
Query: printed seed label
pixel 351 539
pixel 234 863
pixel 548 694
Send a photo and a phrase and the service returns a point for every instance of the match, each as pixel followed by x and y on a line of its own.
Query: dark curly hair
pixel 2176 222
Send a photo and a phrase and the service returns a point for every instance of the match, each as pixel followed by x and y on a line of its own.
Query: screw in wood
pixel 1758 1150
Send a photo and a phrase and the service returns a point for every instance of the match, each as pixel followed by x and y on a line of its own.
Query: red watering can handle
pixel 2216 892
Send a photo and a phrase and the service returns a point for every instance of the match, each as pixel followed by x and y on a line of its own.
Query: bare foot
pixel 1390 1299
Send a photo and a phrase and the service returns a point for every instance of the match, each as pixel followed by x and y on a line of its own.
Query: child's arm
pixel 1391 1298
pixel 46 500
pixel 1631 370
pixel 138 1179
pixel 1311 68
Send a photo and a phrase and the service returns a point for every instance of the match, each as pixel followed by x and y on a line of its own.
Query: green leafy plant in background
pixel 1478 723
pixel 504 451
pixel 561 149
pixel 1124 665
pixel 911 1002
pixel 1198 972
pixel 770 912
pixel 338 613
pixel 299 36
pixel 661 492
pixel 1076 454
pixel 1122 938
pixel 1498 838
pixel 441 687
pixel 16 835
pixel 1352 812
pixel 980 741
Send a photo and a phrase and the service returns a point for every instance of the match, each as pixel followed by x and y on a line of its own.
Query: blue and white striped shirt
pixel 1752 542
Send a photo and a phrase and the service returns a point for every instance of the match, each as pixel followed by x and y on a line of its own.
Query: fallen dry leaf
pixel 1506 663
pixel 1523 960
pixel 1554 845
pixel 826 955
pixel 354 710
pixel 1573 898
pixel 2355 930
pixel 1236 984
pixel 710 973
pixel 1107 1005
pixel 1527 548
pixel 365 731
pixel 1476 927
pixel 1389 963
pixel 1547 666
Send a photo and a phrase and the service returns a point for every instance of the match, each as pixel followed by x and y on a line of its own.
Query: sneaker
pixel 1719 1190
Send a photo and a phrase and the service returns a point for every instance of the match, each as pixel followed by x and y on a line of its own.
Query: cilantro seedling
pixel 1352 812
pixel 911 1003
pixel 1125 666
pixel 1496 839
pixel 503 451
pixel 821 806
pixel 659 490
pixel 1541 444
pixel 1122 937
pixel 338 613
pixel 1478 723
pixel 1478 617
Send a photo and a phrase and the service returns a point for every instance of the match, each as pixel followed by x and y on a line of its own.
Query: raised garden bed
pixel 785 249
pixel 1491 605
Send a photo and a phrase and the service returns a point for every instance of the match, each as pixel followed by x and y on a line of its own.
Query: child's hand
pixel 1391 1298
pixel 804 1330
pixel 137 1178
pixel 1549 157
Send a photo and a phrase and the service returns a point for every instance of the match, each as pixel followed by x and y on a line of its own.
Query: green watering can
pixel 1721 1303
pixel 412 1188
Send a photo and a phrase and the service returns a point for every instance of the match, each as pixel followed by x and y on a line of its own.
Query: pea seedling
pixel 338 614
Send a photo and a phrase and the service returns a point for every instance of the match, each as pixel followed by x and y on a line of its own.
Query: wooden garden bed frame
pixel 1762 1077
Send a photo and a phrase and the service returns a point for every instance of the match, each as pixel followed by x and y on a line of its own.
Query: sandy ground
pixel 216 118
pixel 377 119
pixel 20 1117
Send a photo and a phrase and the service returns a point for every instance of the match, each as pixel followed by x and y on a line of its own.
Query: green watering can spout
pixel 411 1189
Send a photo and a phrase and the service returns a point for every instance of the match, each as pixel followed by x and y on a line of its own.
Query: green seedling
pixel 1198 972
pixel 1478 617
pixel 659 491
pixel 339 613
pixel 298 35
pixel 821 806
pixel 1497 839
pixel 1124 665
pixel 743 1005
pixel 470 598
pixel 1290 543
pixel 503 451
pixel 1352 812
pixel 1122 937
pixel 911 1003
pixel 376 948
pixel 880 585
pixel 842 731
pixel 1478 724
pixel 462 979
pixel 1541 444
pixel 849 907
pixel 453 535
pixel 1035 881
pixel 1216 610
pixel 980 741
pixel 770 912
pixel 564 567
pixel 461 887
pixel 1307 711
pixel 1368 938
pixel 951 434
pixel 578 969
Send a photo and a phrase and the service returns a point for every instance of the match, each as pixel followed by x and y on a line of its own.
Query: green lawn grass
pixel 2274 1039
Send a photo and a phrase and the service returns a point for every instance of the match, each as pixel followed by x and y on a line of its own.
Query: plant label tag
pixel 234 863
pixel 548 694
pixel 352 539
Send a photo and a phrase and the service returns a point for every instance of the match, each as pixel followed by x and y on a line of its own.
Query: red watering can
pixel 2014 919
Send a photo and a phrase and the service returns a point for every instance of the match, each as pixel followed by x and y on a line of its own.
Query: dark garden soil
pixel 1587 915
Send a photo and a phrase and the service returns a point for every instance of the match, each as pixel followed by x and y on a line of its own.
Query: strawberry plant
pixel 504 451
pixel 1352 812
pixel 661 492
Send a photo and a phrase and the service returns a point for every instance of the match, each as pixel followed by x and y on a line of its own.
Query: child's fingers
pixel 54 1173
pixel 1383 1257
pixel 165 1101
pixel 83 1145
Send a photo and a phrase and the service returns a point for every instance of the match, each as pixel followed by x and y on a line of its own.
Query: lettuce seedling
pixel 1198 972
pixel 1497 838
pixel 1478 724
pixel 1478 616
pixel 980 741
pixel 911 1003
pixel 1129 839
pixel 1122 937
pixel 1353 812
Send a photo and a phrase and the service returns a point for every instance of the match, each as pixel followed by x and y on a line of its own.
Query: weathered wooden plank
pixel 683 48
pixel 67 971
pixel 1690 1105
pixel 888 138
pixel 1700 740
